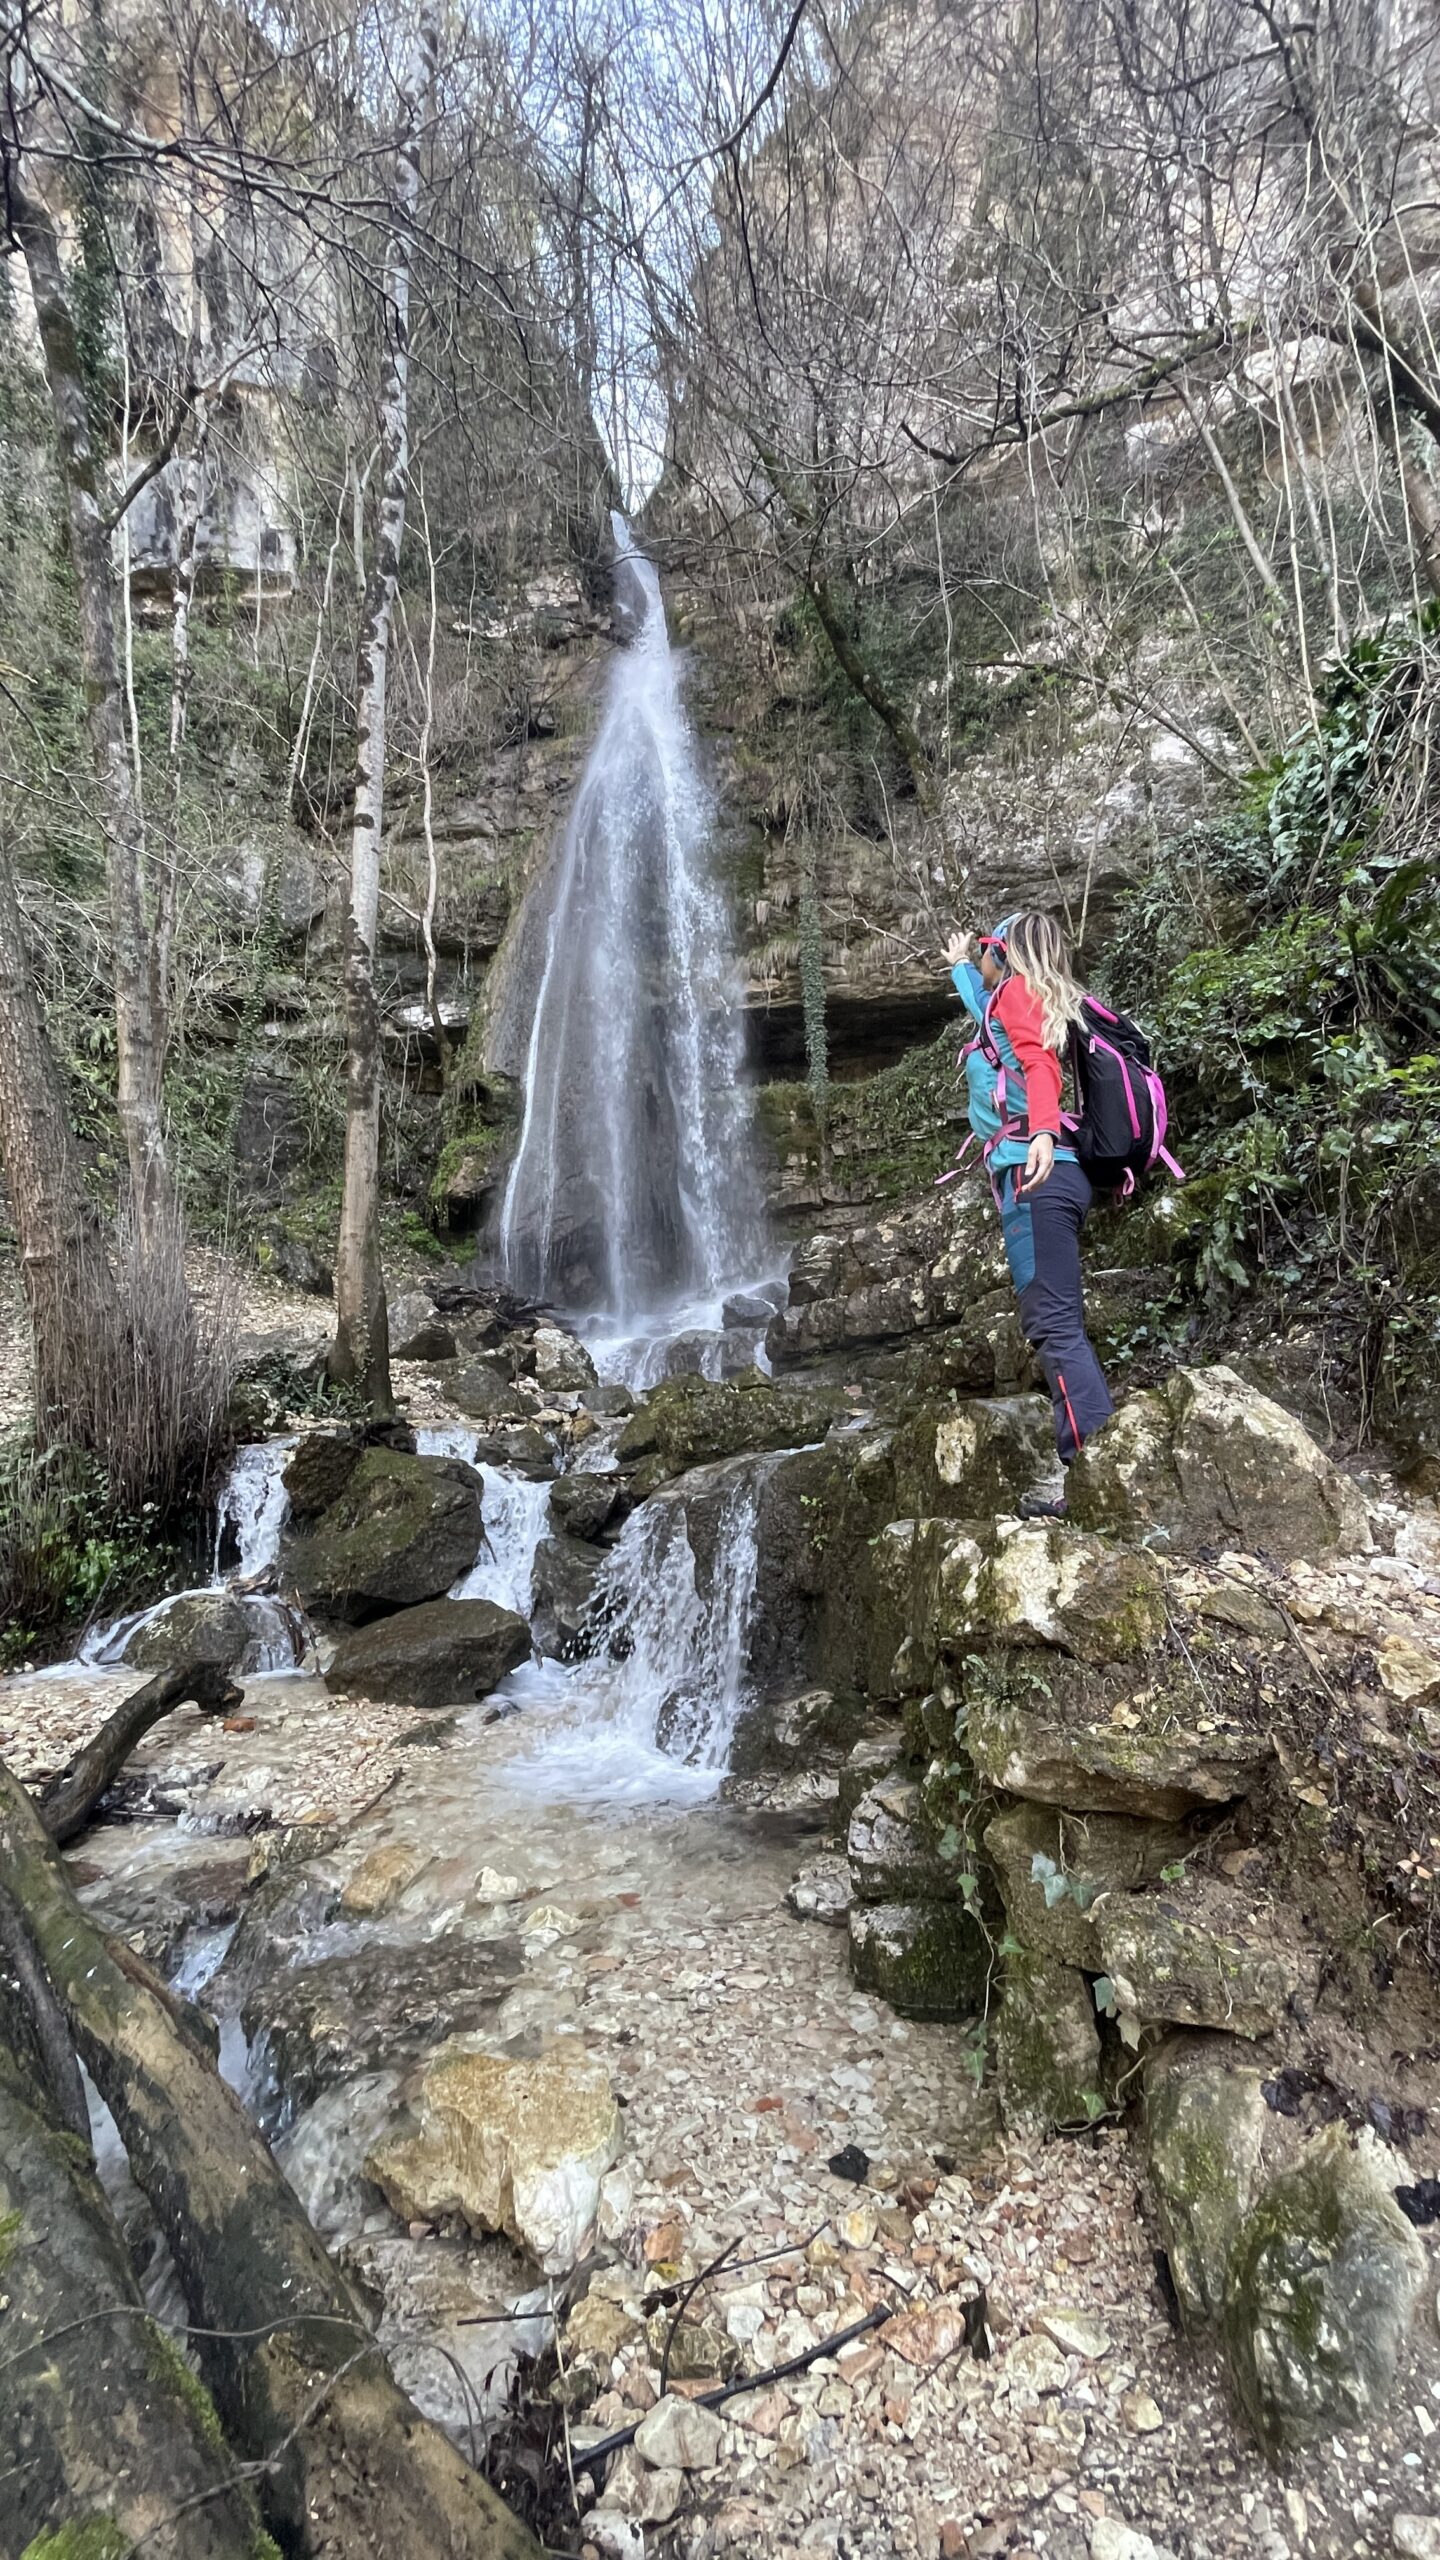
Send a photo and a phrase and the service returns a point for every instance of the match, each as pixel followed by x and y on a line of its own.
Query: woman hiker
pixel 1019 987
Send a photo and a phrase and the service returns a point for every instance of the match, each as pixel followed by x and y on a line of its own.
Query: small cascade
pixel 651 1717
pixel 249 1517
pixel 516 1516
pixel 252 1506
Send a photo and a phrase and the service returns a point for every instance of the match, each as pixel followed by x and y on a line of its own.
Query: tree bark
pixel 68 1802
pixel 138 1000
pixel 100 2418
pixel 352 2471
pixel 360 1355
pixel 70 1288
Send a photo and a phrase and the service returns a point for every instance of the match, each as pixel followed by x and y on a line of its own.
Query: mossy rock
pixel 1042 1584
pixel 1047 2047
pixel 1156 1745
pixel 403 1530
pixel 691 1422
pixel 1204 2128
pixel 1213 1462
pixel 927 1959
pixel 445 1653
pixel 875 1757
pixel 1080 1857
pixel 320 1469
pixel 1322 2283
pixel 1198 1958
pixel 892 1855
pixel 973 1459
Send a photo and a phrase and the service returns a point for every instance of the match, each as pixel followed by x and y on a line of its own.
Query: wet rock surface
pixel 324 2024
pixel 445 1653
pixel 513 2146
pixel 402 1530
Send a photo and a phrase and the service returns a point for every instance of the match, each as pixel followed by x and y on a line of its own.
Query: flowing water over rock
pixel 632 1182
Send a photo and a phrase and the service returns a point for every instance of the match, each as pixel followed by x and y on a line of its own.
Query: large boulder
pixel 486 1391
pixel 980 1455
pixel 219 1627
pixel 1052 1869
pixel 1042 1584
pixel 1047 2047
pixel 562 1592
pixel 1323 2279
pixel 1206 2122
pixel 402 1530
pixel 563 1366
pixel 323 2024
pixel 445 1653
pixel 1215 1463
pixel 925 1266
pixel 416 1331
pixel 518 2147
pixel 584 1505
pixel 892 1858
pixel 1158 1747
pixel 319 1470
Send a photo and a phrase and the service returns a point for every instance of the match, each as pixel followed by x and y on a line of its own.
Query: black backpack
pixel 1118 1131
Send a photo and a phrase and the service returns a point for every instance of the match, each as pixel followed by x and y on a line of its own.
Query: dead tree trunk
pixel 101 2422
pixel 361 1352
pixel 139 1033
pixel 352 2471
pixel 70 1288
pixel 67 1804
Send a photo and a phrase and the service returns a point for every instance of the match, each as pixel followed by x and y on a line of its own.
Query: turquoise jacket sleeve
pixel 971 989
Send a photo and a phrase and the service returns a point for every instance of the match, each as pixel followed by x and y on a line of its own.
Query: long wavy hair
pixel 1038 952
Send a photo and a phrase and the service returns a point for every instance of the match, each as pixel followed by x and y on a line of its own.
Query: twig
pixel 591 2454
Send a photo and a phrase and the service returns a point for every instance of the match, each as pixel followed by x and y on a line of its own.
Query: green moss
pixel 177 2378
pixel 1047 2046
pixel 11 2226
pixel 90 2538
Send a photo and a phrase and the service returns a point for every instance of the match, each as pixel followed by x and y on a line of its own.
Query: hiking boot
pixel 1043 1506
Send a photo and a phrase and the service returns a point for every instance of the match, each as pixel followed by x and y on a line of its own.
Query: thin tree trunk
pixel 101 2422
pixel 351 2469
pixel 70 1288
pixel 360 1355
pixel 139 1037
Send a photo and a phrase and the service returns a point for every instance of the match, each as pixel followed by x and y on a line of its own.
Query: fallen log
pixel 101 2420
pixel 69 1800
pixel 351 2471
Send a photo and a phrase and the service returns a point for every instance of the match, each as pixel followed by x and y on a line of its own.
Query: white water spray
pixel 632 1184
pixel 650 1718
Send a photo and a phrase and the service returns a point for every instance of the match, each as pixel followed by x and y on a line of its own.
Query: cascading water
pixel 632 1186
pixel 651 1716
pixel 249 1516
pixel 516 1514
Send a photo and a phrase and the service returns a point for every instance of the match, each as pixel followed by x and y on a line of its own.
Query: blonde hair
pixel 1038 952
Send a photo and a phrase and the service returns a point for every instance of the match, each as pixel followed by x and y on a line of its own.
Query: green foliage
pixel 1288 965
pixel 66 1545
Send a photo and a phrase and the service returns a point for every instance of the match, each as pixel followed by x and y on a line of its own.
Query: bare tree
pixel 360 1354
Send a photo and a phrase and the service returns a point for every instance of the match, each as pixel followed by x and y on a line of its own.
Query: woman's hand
pixel 1040 1162
pixel 958 950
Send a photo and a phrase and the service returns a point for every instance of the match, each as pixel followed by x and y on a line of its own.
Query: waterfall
pixel 632 1183
pixel 515 1514
pixel 652 1715
pixel 252 1505
pixel 250 1510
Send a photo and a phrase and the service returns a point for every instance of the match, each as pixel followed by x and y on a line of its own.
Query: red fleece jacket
pixel 1019 1015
